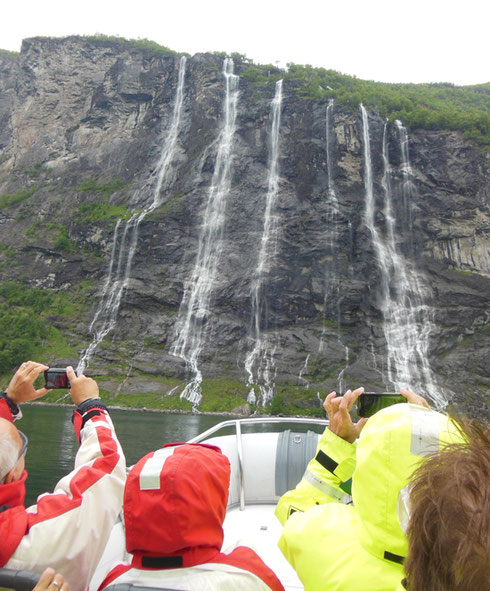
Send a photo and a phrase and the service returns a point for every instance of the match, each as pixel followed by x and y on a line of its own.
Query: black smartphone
pixel 55 377
pixel 369 403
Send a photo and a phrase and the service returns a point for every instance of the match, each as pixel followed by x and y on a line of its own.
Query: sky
pixel 382 40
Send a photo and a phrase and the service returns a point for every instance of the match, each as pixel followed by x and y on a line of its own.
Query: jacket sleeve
pixel 326 479
pixel 69 528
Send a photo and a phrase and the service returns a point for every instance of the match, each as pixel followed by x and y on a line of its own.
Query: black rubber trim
pixel 393 557
pixel 162 561
pixel 326 461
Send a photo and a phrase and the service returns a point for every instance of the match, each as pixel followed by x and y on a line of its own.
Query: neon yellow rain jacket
pixel 335 546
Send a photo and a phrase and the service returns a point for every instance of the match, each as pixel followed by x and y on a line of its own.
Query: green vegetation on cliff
pixel 27 329
pixel 438 106
pixel 100 209
pixel 11 55
pixel 435 106
pixel 7 199
pixel 146 45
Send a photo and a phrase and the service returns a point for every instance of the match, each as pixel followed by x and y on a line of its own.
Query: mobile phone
pixel 55 377
pixel 369 403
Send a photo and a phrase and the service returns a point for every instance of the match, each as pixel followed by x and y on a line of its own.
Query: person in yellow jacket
pixel 339 542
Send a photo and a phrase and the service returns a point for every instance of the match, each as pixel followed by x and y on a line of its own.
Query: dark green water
pixel 53 445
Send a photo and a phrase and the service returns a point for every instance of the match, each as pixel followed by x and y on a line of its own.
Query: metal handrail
pixel 237 423
pixel 239 450
pixel 266 420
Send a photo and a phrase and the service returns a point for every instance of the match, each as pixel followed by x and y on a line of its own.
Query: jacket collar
pixel 13 493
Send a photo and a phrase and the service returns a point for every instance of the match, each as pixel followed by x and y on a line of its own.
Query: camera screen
pixel 56 378
pixel 370 404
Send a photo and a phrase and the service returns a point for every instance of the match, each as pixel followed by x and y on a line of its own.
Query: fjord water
pixel 53 445
pixel 195 305
pixel 261 357
pixel 406 316
pixel 125 237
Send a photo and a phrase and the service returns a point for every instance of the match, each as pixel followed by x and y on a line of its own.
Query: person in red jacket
pixel 68 529
pixel 174 507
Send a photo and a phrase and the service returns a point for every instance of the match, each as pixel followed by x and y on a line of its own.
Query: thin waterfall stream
pixel 332 273
pixel 194 309
pixel 125 240
pixel 261 357
pixel 406 318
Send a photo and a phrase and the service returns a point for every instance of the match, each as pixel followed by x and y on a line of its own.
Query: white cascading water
pixel 332 205
pixel 407 321
pixel 332 237
pixel 302 372
pixel 125 240
pixel 194 308
pixel 261 357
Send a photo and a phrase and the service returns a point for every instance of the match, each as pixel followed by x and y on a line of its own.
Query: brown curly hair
pixel 449 529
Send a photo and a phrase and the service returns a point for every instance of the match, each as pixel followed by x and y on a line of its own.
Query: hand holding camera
pixel 340 421
pixel 21 386
pixel 81 387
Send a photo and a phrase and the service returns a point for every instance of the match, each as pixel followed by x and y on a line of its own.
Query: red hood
pixel 174 500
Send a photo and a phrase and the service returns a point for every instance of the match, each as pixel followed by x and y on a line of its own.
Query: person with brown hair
pixel 449 526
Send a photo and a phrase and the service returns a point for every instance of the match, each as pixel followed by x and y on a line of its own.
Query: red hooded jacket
pixel 174 507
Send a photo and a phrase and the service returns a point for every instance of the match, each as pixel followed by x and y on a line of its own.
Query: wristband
pixel 14 409
pixel 91 403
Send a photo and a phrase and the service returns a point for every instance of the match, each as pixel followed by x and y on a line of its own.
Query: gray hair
pixel 9 454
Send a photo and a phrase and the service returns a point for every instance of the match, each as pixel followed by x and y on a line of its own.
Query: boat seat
pixel 294 451
pixel 284 455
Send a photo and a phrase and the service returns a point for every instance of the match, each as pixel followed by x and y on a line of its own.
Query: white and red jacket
pixel 69 528
pixel 174 507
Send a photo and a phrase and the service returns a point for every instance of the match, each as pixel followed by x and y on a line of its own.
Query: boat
pixel 268 457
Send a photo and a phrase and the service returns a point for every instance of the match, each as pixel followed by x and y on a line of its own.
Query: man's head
pixel 11 459
pixel 449 528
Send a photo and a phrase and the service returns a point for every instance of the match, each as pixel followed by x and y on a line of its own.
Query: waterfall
pixel 303 371
pixel 262 355
pixel 125 237
pixel 328 141
pixel 407 320
pixel 194 308
pixel 332 274
pixel 332 205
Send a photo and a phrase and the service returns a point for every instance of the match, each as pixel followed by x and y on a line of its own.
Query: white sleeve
pixel 68 529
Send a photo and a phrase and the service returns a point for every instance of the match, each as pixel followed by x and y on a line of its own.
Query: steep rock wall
pixel 72 111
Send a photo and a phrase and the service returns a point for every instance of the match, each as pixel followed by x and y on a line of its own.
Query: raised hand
pixel 340 421
pixel 21 386
pixel 81 387
pixel 414 398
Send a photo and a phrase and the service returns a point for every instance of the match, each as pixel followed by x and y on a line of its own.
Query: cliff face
pixel 343 290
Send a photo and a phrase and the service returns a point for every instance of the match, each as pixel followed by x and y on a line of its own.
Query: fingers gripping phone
pixel 370 403
pixel 55 377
